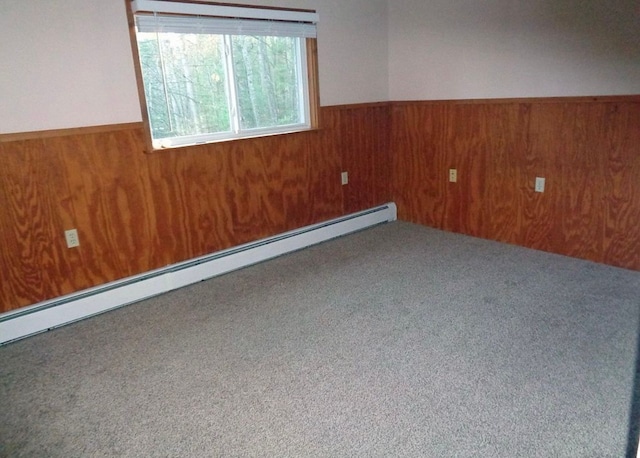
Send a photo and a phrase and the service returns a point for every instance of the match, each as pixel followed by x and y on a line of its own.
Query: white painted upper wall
pixel 469 49
pixel 68 63
pixel 65 63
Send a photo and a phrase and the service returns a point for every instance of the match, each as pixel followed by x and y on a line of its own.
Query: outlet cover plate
pixel 72 238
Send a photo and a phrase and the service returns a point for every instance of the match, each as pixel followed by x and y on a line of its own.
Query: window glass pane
pixel 185 83
pixel 268 82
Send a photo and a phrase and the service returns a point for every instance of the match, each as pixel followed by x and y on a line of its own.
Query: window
pixel 211 71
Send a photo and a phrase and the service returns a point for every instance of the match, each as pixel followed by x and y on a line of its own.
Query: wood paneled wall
pixel 588 149
pixel 137 212
pixel 365 135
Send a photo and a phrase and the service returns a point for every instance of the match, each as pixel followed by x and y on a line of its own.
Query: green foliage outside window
pixel 188 91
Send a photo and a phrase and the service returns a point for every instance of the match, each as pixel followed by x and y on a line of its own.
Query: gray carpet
pixel 396 341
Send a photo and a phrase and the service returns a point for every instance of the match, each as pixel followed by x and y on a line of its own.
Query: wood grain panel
pixel 464 148
pixel 184 188
pixel 365 156
pixel 504 143
pixel 540 211
pixel 418 163
pixel 326 193
pixel 581 164
pixel 108 186
pixel 31 266
pixel 587 149
pixel 137 212
pixel 621 146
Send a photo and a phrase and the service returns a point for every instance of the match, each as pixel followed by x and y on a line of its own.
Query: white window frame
pixel 275 19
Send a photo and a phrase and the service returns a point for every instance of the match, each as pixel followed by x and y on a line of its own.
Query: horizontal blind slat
pixel 228 11
pixel 222 26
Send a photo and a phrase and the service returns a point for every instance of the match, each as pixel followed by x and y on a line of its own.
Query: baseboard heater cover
pixel 58 312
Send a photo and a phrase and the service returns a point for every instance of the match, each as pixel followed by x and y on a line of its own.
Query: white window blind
pixel 223 26
pixel 163 16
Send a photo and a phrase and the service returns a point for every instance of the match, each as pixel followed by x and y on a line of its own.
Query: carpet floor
pixel 399 340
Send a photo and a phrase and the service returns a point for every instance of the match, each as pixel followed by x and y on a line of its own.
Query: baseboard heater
pixel 83 304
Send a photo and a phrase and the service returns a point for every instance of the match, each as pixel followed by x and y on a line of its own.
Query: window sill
pixel 152 150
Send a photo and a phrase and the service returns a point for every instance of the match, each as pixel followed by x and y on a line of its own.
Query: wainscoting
pixel 588 149
pixel 138 212
pixel 73 307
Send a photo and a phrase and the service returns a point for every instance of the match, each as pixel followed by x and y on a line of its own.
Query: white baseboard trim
pixel 60 311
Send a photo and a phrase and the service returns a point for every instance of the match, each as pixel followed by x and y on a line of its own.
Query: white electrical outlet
pixel 72 238
pixel 344 177
pixel 539 187
pixel 453 175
